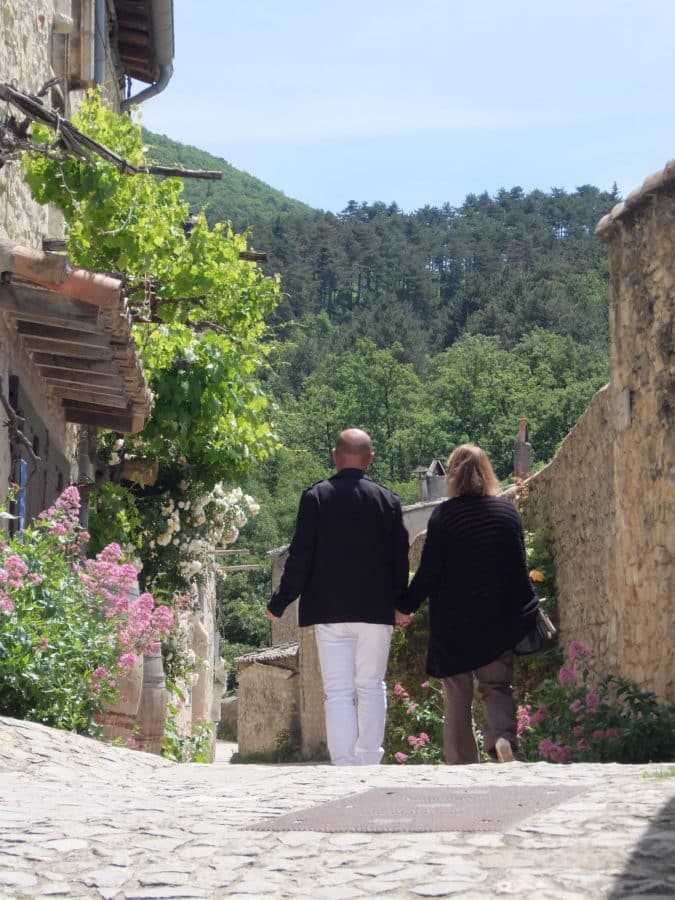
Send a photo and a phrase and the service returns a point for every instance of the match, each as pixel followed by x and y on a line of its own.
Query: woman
pixel 473 570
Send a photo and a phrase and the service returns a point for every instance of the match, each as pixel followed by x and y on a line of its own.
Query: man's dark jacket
pixel 348 560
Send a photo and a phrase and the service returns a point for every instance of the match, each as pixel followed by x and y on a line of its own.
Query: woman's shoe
pixel 503 750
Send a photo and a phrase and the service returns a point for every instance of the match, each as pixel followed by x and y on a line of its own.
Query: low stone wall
pixel 270 696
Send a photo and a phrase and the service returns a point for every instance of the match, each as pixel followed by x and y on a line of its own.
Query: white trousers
pixel 353 657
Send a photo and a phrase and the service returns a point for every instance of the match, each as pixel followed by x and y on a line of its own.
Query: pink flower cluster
pixel 525 718
pixel 418 741
pixel 66 506
pixel 577 653
pixel 555 752
pixel 140 624
pixel 410 705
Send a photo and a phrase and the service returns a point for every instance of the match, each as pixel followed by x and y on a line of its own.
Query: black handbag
pixel 541 636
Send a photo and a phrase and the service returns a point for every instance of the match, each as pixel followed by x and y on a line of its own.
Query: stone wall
pixel 35 46
pixel 641 239
pixel 270 697
pixel 574 495
pixel 26 62
pixel 609 493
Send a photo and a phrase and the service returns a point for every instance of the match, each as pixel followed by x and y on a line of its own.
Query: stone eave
pixel 74 326
pixel 284 656
pixel 654 184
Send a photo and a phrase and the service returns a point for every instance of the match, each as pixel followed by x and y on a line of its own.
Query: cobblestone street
pixel 81 819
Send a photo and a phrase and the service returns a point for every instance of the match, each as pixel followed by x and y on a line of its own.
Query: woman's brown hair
pixel 470 472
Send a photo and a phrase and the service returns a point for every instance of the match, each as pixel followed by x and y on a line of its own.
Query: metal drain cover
pixel 489 808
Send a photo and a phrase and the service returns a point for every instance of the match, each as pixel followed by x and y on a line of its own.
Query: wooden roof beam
pixel 81 414
pixel 65 376
pixel 107 401
pixel 65 348
pixel 63 335
pixel 48 361
pixel 34 304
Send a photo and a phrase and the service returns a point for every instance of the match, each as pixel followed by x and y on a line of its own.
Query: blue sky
pixel 422 103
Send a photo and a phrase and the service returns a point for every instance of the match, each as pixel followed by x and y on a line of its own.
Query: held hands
pixel 271 616
pixel 402 619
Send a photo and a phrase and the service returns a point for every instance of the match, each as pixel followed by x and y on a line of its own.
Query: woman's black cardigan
pixel 474 571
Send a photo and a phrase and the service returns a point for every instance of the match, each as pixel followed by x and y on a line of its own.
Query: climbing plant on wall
pixel 199 316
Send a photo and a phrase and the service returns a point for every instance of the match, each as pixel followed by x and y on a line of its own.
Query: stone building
pixel 67 358
pixel 608 493
pixel 68 363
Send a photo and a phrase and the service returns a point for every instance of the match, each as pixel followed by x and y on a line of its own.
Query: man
pixel 348 562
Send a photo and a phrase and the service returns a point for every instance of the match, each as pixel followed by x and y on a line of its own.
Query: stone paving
pixel 82 819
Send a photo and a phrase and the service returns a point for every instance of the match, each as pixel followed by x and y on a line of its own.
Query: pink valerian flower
pixel 425 685
pixel 612 734
pixel 523 718
pixel 566 676
pixel 539 715
pixel 15 567
pixel 44 643
pixel 592 702
pixel 577 652
pixel 162 619
pixel 127 660
pixel 58 530
pixel 35 578
pixel 545 746
pixel 555 752
pixel 131 743
pixel 411 707
pixel 576 705
pixel 6 605
pixel 577 731
pixel 400 757
pixel 598 735
pixel 67 504
pixel 582 745
pixel 564 755
pixel 400 691
pixel 418 741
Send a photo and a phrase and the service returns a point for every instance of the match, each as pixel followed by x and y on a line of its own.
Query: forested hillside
pixel 427 328
pixel 377 287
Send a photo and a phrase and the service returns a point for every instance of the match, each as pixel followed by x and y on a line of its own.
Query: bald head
pixel 353 450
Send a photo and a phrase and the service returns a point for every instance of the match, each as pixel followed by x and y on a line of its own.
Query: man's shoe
pixel 503 750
